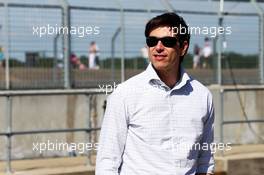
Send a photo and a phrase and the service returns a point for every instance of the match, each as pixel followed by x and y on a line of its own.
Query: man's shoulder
pixel 202 93
pixel 200 88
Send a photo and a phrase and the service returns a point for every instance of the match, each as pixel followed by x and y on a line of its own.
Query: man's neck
pixel 170 77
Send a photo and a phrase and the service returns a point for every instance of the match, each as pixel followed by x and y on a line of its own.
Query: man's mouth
pixel 159 57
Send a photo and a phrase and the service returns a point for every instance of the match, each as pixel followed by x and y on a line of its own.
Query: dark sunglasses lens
pixel 169 41
pixel 152 41
pixel 166 41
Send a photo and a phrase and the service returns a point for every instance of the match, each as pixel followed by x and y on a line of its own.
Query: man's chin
pixel 159 66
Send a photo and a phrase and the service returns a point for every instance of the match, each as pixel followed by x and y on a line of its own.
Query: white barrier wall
pixel 73 111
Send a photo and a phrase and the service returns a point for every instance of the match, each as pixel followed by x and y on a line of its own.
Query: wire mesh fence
pixel 36 45
pixel 31 56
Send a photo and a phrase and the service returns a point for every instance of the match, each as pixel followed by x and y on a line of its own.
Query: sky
pixel 104 15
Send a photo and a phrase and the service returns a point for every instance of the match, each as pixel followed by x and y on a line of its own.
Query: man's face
pixel 164 58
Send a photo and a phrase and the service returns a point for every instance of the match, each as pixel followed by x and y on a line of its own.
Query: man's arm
pixel 112 137
pixel 206 160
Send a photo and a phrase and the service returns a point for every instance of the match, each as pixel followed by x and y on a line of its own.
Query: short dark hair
pixel 171 20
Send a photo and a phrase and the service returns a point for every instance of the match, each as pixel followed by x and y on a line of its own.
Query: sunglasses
pixel 166 41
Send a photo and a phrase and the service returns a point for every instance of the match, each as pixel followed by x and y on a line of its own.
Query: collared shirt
pixel 151 129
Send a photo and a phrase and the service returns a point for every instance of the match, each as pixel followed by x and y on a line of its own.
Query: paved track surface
pixel 241 160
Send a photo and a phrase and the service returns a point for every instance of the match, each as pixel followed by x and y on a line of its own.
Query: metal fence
pixel 9 134
pixel 229 119
pixel 39 61
pixel 252 121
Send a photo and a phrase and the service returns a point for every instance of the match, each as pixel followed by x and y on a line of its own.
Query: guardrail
pixel 237 89
pixel 9 133
pixel 88 92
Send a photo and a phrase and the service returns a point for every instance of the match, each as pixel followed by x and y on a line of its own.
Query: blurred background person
pixel 206 53
pixel 144 54
pixel 76 62
pixel 93 56
pixel 1 57
pixel 196 57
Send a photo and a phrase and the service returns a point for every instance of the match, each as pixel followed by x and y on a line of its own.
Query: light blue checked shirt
pixel 151 129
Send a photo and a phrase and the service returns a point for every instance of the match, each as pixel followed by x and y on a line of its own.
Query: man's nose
pixel 159 46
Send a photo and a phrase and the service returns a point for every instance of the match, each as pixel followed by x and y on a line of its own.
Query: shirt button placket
pixel 175 138
pixel 168 96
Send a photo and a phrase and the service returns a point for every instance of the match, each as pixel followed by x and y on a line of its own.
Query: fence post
pixel 55 61
pixel 122 22
pixel 260 12
pixel 66 44
pixel 261 49
pixel 6 30
pixel 9 134
pixel 113 52
pixel 222 116
pixel 219 58
pixel 88 122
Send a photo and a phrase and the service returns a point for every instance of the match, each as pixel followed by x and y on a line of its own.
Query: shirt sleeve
pixel 112 137
pixel 206 156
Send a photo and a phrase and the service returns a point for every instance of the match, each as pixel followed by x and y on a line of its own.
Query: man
pixel 155 122
pixel 196 56
pixel 93 56
pixel 206 52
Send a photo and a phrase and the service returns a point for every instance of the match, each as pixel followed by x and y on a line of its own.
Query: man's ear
pixel 184 47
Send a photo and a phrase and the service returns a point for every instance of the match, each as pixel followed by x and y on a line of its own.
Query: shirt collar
pixel 154 80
